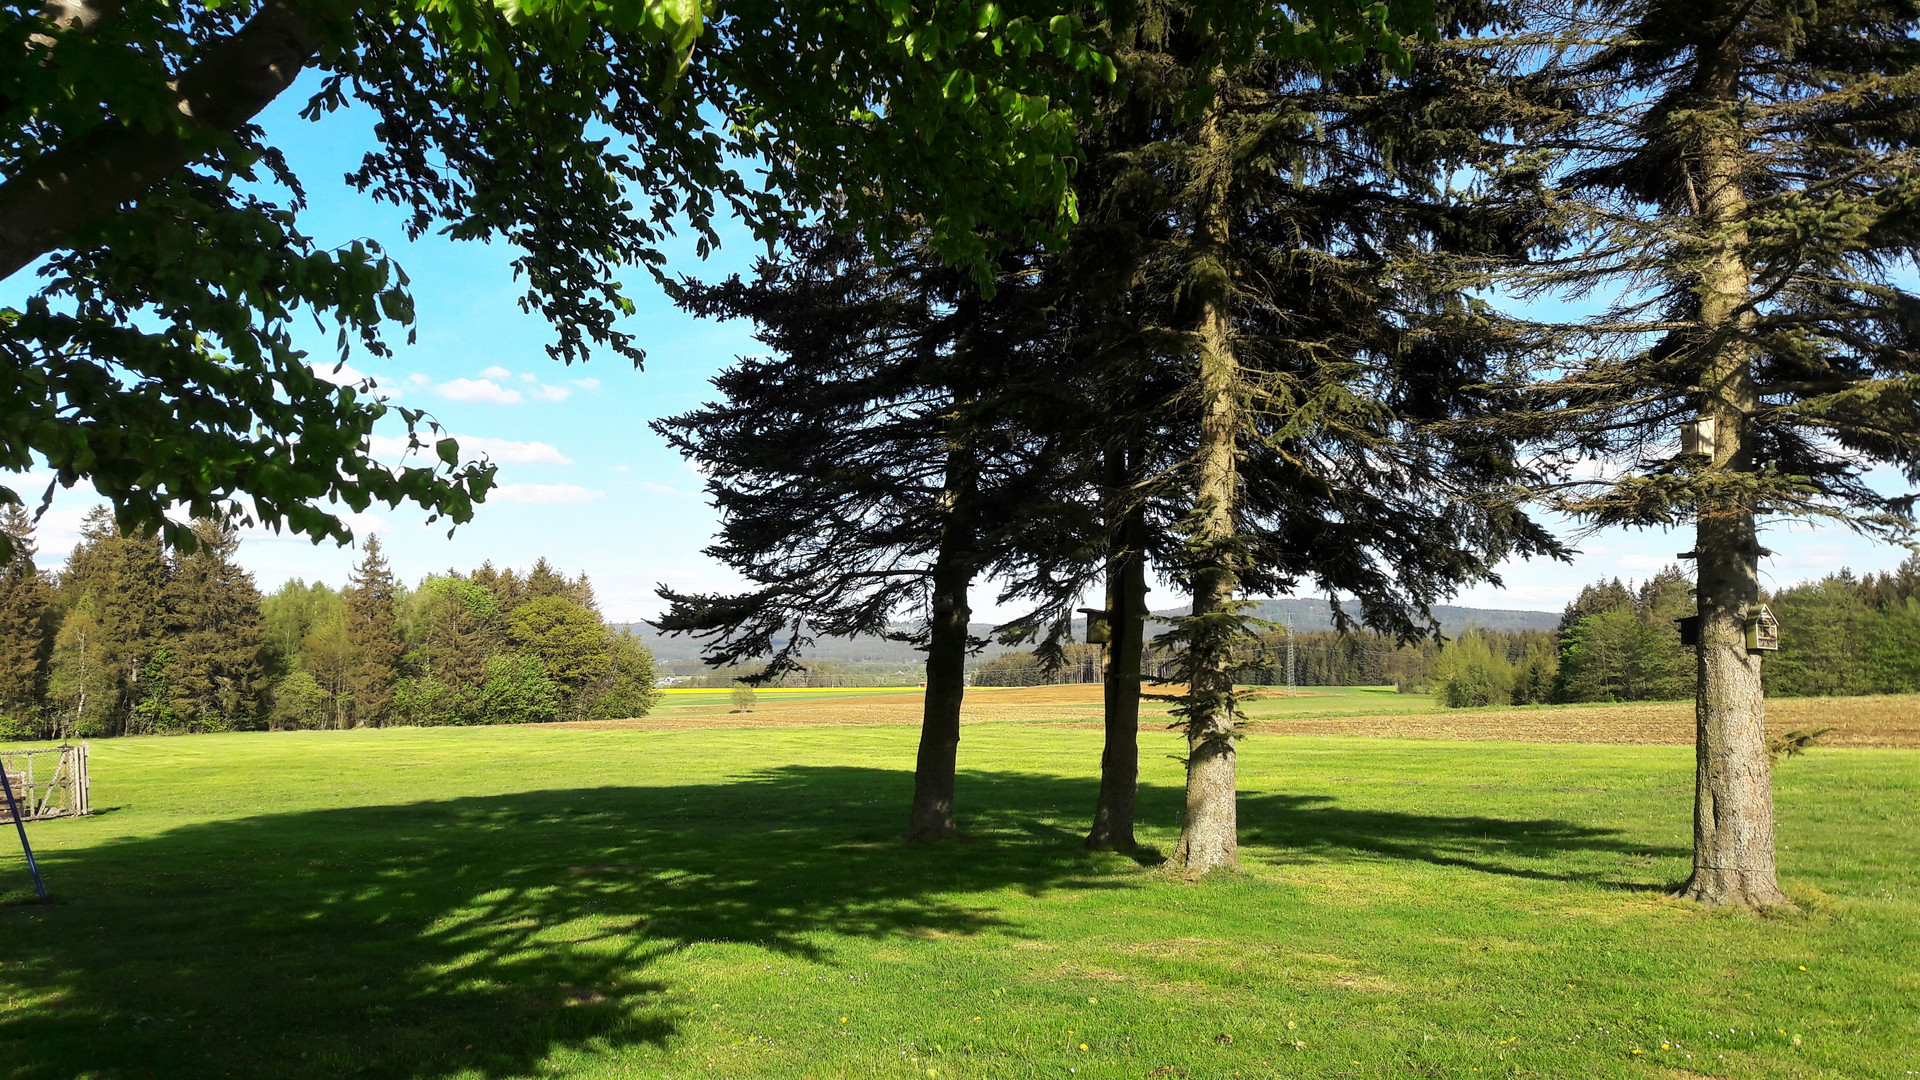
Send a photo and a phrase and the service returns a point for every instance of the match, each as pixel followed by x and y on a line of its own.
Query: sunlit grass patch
pixel 492 903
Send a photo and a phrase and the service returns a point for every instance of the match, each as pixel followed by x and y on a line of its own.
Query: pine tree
pixel 1738 177
pixel 373 626
pixel 27 626
pixel 864 468
pixel 214 635
pixel 1302 249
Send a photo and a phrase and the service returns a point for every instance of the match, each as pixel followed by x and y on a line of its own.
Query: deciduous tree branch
pixel 67 189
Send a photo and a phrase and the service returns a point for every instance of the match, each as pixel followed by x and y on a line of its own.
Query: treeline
pixel 1077 664
pixel 1844 634
pixel 816 674
pixel 131 638
pixel 1617 641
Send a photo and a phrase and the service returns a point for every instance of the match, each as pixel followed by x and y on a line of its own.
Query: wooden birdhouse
pixel 1696 437
pixel 1099 625
pixel 1763 631
pixel 1689 630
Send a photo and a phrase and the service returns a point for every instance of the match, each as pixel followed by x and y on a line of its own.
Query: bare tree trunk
pixel 1209 835
pixel 933 774
pixel 1127 614
pixel 1733 854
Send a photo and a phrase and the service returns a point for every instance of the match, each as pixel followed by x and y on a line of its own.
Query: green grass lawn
pixel 492 903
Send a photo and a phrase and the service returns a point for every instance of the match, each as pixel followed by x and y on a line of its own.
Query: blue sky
pixel 585 483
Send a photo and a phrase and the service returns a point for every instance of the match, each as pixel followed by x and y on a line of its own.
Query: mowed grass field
pixel 732 902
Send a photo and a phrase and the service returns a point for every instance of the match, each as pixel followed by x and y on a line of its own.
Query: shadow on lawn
pixel 483 934
pixel 1315 825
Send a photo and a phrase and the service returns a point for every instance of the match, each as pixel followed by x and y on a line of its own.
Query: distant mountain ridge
pixel 1308 616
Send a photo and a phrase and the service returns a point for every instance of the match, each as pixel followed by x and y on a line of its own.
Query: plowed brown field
pixel 1859 721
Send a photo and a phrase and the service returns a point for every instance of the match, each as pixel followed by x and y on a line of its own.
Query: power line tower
pixel 1290 683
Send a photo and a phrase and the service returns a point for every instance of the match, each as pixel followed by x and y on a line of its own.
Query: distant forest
pixel 1618 641
pixel 131 638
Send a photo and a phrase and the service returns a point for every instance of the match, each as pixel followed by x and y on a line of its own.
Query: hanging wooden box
pixel 1763 631
pixel 1099 625
pixel 1696 437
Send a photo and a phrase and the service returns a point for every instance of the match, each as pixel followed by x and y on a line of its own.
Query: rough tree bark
pixel 1733 853
pixel 931 817
pixel 94 175
pixel 1209 834
pixel 1127 614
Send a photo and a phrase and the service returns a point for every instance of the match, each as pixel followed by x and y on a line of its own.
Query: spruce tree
pixel 373 627
pixel 214 634
pixel 865 468
pixel 1309 266
pixel 1739 178
pixel 26 626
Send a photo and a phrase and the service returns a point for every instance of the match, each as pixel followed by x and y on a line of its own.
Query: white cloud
pixel 552 393
pixel 496 372
pixel 586 384
pixel 339 374
pixel 622 468
pixel 528 376
pixel 419 379
pixel 348 375
pixel 387 446
pixel 520 453
pixel 543 494
pixel 478 390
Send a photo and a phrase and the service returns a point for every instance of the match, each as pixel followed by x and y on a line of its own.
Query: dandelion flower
pixel 843 1019
pixel 1083 1046
pixel 1803 967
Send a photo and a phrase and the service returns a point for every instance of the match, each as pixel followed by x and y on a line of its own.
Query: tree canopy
pixel 157 358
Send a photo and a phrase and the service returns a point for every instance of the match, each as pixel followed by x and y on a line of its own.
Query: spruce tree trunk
pixel 1733 854
pixel 933 773
pixel 1127 613
pixel 1209 835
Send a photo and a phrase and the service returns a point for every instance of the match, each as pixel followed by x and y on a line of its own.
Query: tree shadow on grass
pixel 479 935
pixel 1539 849
pixel 472 934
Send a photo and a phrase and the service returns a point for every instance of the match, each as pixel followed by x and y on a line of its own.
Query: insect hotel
pixel 1763 631
pixel 49 783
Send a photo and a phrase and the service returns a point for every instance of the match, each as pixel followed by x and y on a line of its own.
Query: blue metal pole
pixel 19 824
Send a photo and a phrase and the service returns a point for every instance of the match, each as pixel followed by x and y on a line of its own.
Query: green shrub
pixel 299 701
pixel 517 690
pixel 428 702
pixel 627 689
pixel 1469 674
